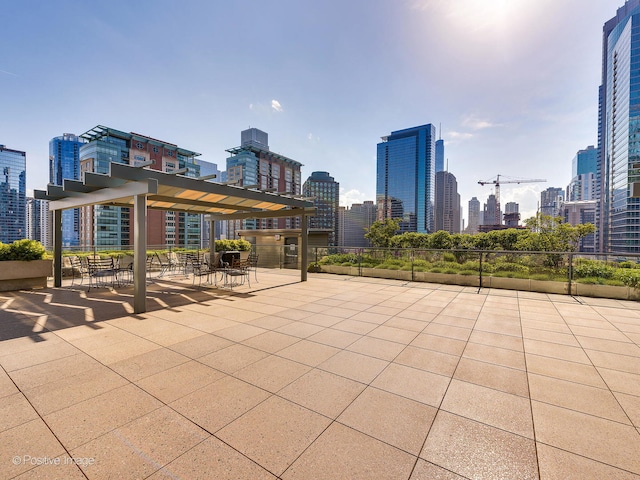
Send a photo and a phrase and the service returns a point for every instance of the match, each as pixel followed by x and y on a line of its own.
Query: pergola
pixel 141 188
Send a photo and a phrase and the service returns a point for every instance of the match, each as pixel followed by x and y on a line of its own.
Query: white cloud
pixel 475 123
pixel 275 104
pixel 313 138
pixel 251 106
pixel 459 135
pixel 349 197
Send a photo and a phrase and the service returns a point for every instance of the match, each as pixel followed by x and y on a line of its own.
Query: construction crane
pixel 497 182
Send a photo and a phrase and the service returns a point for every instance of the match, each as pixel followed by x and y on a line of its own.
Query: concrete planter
pixel 19 275
pixel 506 283
pixel 605 291
pixel 340 270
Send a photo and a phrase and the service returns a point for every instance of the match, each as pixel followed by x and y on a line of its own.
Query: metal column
pixel 57 248
pixel 140 254
pixel 304 247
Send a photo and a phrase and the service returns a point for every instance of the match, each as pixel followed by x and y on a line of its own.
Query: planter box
pixel 605 291
pixel 506 283
pixel 17 275
pixel 339 269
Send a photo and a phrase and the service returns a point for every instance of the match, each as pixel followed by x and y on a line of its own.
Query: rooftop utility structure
pixel 497 181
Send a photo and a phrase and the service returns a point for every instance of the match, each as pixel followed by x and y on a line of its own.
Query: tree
pixel 380 233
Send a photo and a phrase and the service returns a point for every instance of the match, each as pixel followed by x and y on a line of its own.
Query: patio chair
pixel 78 269
pixel 102 272
pixel 236 274
pixel 167 261
pixel 252 261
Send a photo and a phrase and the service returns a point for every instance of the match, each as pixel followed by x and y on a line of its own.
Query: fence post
pixel 480 272
pixel 570 272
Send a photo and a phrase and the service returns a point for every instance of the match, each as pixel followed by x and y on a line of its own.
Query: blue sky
pixel 514 83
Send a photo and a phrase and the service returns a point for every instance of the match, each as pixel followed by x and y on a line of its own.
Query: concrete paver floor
pixel 337 377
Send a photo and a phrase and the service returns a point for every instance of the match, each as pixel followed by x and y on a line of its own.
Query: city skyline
pixel 325 80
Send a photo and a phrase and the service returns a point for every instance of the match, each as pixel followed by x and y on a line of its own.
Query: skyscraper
pixel 38 225
pixel 447 203
pixel 64 162
pixel 13 190
pixel 252 164
pixel 551 201
pixel 325 192
pixel 492 213
pixel 618 217
pixel 353 224
pixel 439 155
pixel 474 215
pixel 106 225
pixel 583 184
pixel 405 178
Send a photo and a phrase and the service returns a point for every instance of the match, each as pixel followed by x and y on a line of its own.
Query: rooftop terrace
pixel 337 377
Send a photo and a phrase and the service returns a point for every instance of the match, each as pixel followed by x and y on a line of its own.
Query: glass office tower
pixel 618 133
pixel 405 181
pixel 13 199
pixel 325 192
pixel 64 162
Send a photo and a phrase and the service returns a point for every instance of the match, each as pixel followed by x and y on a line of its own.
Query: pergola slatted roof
pixel 166 191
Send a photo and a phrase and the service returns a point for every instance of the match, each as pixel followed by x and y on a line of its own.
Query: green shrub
pixel 24 250
pixel 592 268
pixel 468 272
pixel 630 278
pixel 449 257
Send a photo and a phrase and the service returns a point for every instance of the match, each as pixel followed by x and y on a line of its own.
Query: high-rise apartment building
pixel 405 178
pixel 13 190
pixel 447 203
pixel 325 192
pixel 551 201
pixel 252 164
pixel 105 225
pixel 474 215
pixel 618 128
pixel 38 221
pixel 64 162
pixel 209 169
pixel 353 224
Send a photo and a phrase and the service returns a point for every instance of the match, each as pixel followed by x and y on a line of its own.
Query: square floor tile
pixel 491 407
pixel 376 347
pixel 233 358
pixel 390 418
pixel 149 363
pixel 412 383
pixel 222 463
pixel 509 380
pixel 308 353
pixel 428 471
pixel 429 360
pixel 335 338
pixel 342 453
pixel 271 342
pixel 85 421
pixel 592 437
pixel 219 403
pixel 451 346
pixel 139 448
pixel 575 396
pixel 556 464
pixel 476 450
pixel 179 381
pixel 274 433
pixel 355 366
pixel 272 373
pixel 323 392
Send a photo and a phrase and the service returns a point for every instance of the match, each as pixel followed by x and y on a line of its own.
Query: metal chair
pixel 78 269
pixel 252 261
pixel 102 272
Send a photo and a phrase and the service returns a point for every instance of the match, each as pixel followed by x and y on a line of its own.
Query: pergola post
pixel 212 239
pixel 57 248
pixel 304 237
pixel 140 254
